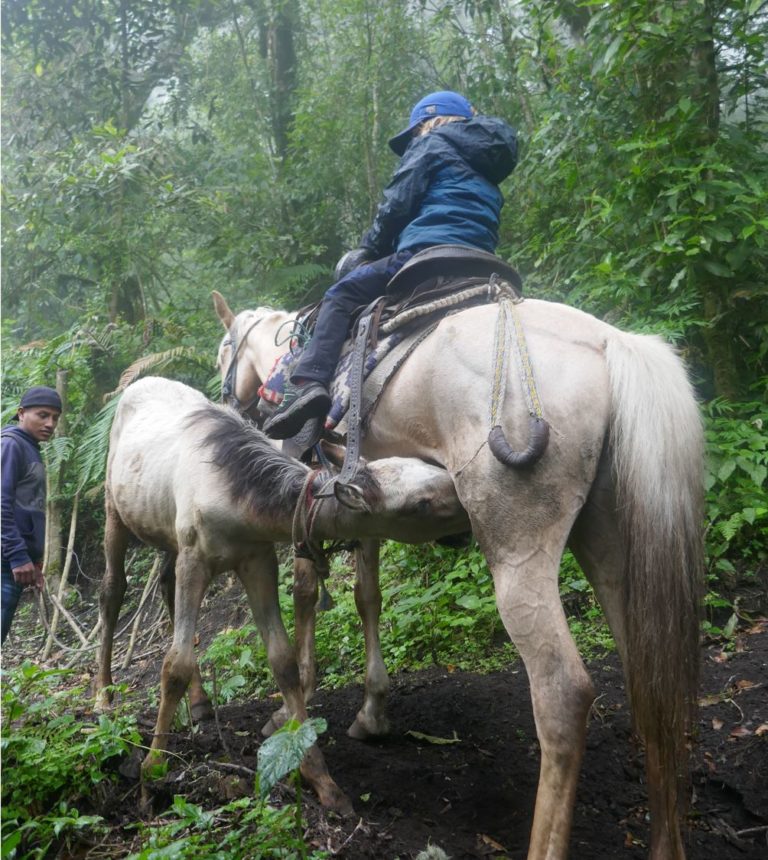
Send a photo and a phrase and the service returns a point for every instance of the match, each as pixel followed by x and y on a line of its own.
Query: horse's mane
pixel 255 471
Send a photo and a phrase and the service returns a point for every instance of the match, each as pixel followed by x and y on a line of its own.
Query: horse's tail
pixel 657 447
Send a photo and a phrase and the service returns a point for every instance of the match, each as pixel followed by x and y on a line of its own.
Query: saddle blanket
pixel 273 389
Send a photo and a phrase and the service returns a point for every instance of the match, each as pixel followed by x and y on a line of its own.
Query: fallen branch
pixel 63 584
pixel 149 586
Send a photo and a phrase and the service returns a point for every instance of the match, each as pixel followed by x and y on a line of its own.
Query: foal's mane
pixel 254 470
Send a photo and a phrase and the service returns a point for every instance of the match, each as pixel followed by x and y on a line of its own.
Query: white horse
pixel 197 480
pixel 620 482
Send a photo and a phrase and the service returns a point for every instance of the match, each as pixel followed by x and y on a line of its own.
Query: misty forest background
pixel 155 150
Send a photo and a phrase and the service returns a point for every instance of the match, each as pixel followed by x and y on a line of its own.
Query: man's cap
pixel 443 103
pixel 40 395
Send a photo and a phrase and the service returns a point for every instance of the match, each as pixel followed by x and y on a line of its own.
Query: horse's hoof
pixel 364 730
pixel 202 711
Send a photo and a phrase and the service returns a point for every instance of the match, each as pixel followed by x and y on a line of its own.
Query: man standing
pixel 23 496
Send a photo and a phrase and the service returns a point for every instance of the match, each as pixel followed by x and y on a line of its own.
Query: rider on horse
pixel 443 192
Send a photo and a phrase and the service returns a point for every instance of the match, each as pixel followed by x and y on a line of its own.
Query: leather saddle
pixel 454 262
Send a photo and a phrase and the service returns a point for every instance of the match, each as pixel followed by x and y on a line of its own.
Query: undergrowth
pixel 54 760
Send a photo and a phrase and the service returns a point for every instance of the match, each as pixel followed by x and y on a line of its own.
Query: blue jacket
pixel 445 189
pixel 23 498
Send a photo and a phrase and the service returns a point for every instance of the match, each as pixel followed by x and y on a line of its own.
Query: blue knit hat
pixel 41 395
pixel 443 103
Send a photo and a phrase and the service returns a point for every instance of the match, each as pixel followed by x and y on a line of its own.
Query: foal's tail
pixel 657 445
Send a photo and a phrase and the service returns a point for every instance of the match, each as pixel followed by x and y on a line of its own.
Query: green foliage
pixel 239 660
pixel 737 467
pixel 243 828
pixel 57 760
pixel 247 827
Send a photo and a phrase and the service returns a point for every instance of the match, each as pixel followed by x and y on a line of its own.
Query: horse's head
pixel 247 352
pixel 404 499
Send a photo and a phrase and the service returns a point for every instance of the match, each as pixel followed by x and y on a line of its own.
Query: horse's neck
pixel 262 350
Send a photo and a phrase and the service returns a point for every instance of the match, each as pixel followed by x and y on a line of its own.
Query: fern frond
pixel 160 361
pixel 91 454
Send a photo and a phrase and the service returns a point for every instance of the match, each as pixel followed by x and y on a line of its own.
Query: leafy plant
pixel 247 827
pixel 57 759
pixel 735 481
pixel 239 659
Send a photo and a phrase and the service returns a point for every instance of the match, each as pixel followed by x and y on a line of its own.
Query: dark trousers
pixel 355 290
pixel 9 599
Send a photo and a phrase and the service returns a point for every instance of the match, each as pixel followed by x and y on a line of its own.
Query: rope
pixel 299 332
pixel 509 318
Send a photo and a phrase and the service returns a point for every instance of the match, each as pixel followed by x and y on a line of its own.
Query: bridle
pixel 230 377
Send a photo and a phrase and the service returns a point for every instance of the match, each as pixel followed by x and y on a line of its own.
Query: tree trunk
pixel 54 515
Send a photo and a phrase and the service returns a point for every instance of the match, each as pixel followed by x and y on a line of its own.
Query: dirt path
pixel 474 798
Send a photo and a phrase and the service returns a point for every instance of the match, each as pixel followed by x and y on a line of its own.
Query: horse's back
pixel 441 398
pixel 153 456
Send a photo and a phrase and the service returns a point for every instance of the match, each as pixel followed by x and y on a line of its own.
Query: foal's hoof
pixel 275 722
pixel 337 801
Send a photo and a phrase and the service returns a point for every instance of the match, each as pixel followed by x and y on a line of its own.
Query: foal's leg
pixel 113 587
pixel 192 580
pixel 371 719
pixel 523 549
pixel 199 703
pixel 259 577
pixel 305 590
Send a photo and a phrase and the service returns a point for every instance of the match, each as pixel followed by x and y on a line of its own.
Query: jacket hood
pixel 13 430
pixel 486 143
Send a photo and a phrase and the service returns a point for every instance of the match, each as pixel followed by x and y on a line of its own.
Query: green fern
pixel 91 454
pixel 159 361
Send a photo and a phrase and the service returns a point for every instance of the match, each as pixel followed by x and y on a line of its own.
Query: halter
pixel 230 377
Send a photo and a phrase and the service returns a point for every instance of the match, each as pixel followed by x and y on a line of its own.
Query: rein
pixel 230 378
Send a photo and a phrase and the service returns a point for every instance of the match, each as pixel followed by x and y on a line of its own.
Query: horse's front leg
pixel 192 580
pixel 259 577
pixel 371 719
pixel 525 564
pixel 305 591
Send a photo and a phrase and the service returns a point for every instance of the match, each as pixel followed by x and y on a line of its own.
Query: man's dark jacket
pixel 445 189
pixel 23 498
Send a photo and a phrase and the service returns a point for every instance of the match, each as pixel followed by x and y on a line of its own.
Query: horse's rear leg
pixel 596 543
pixel 528 600
pixel 259 577
pixel 113 586
pixel 371 720
pixel 192 580
pixel 199 703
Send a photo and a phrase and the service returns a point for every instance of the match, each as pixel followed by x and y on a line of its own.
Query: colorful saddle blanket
pixel 273 388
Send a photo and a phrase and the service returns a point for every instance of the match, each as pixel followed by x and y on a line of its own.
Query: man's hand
pixel 29 574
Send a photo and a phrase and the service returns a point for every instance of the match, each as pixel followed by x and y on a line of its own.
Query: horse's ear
pixel 223 310
pixel 351 496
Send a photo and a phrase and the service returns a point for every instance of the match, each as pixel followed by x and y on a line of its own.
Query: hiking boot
pixel 300 403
